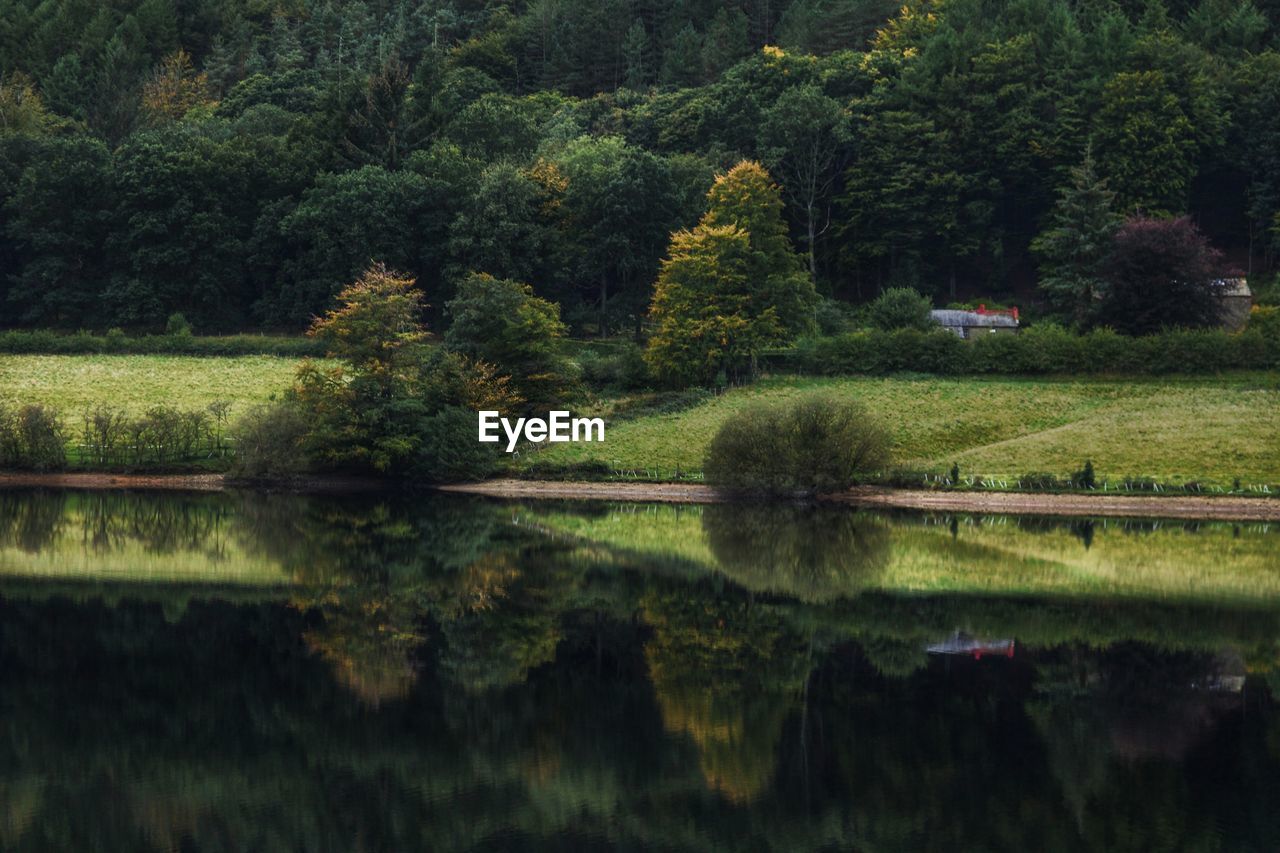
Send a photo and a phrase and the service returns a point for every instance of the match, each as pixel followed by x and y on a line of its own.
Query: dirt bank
pixel 1222 508
pixel 175 482
pixel 1174 506
pixel 1180 506
pixel 678 493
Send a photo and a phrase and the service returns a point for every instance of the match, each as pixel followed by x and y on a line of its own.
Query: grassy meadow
pixel 1210 430
pixel 1175 430
pixel 74 384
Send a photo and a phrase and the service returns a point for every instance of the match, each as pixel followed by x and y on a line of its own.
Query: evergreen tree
pixel 1145 142
pixel 682 61
pixel 634 47
pixel 1074 245
pixel 66 89
pixel 726 41
pixel 286 48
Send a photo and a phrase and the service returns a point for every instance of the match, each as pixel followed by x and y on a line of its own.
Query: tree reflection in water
pixel 434 676
pixel 810 552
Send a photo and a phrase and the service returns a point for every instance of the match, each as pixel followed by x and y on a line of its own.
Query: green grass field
pixel 76 383
pixel 1211 430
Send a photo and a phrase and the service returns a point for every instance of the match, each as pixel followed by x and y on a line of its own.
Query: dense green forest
pixel 239 161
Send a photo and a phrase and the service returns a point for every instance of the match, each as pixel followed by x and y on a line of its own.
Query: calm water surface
pixel 231 672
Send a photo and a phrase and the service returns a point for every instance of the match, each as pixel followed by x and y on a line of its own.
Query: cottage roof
pixel 952 317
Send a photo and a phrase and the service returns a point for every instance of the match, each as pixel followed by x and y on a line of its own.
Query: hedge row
pixel 1036 350
pixel 42 342
pixel 36 438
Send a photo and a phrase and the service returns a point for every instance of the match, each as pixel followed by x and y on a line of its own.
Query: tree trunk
pixel 813 264
pixel 604 305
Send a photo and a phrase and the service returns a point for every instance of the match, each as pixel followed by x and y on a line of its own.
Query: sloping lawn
pixel 1211 430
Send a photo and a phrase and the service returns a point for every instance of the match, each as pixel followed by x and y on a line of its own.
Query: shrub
pixel 1040 481
pixel 900 308
pixel 1084 478
pixel 814 445
pixel 1139 484
pixel 104 434
pixel 835 317
pixel 32 438
pixel 269 443
pixel 621 368
pixel 589 469
pixel 449 452
pixel 177 326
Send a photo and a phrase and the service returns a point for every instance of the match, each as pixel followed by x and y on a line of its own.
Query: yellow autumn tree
pixel 730 286
pixel 21 109
pixel 175 87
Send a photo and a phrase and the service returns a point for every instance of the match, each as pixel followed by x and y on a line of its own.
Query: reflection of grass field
pixel 79 537
pixel 70 558
pixel 73 555
pixel 75 383
pixel 1211 430
pixel 993 556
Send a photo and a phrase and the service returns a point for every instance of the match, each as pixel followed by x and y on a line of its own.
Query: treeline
pixel 240 163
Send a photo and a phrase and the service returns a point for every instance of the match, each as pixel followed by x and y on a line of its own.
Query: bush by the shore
pixel 1045 349
pixel 815 445
pixel 269 443
pixel 31 438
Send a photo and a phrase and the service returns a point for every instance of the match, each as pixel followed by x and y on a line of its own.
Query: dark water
pixel 231 672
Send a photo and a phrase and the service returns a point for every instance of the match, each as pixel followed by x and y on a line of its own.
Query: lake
pixel 244 672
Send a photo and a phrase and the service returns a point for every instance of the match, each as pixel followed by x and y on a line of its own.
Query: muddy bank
pixel 1174 506
pixel 1179 506
pixel 682 493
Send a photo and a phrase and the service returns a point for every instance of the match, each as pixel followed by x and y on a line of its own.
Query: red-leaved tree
pixel 1160 273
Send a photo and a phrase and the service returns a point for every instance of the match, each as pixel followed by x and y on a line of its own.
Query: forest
pixel 241 161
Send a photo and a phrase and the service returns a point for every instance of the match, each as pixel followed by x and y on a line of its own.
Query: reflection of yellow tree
pixel 814 553
pixel 725 673
pixel 498 625
pixel 369 643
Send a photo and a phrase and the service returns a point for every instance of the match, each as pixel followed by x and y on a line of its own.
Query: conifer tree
pixel 634 46
pixel 1076 242
pixel 682 62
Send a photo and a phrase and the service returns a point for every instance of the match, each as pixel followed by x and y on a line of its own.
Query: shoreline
pixel 867 497
pixel 878 497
